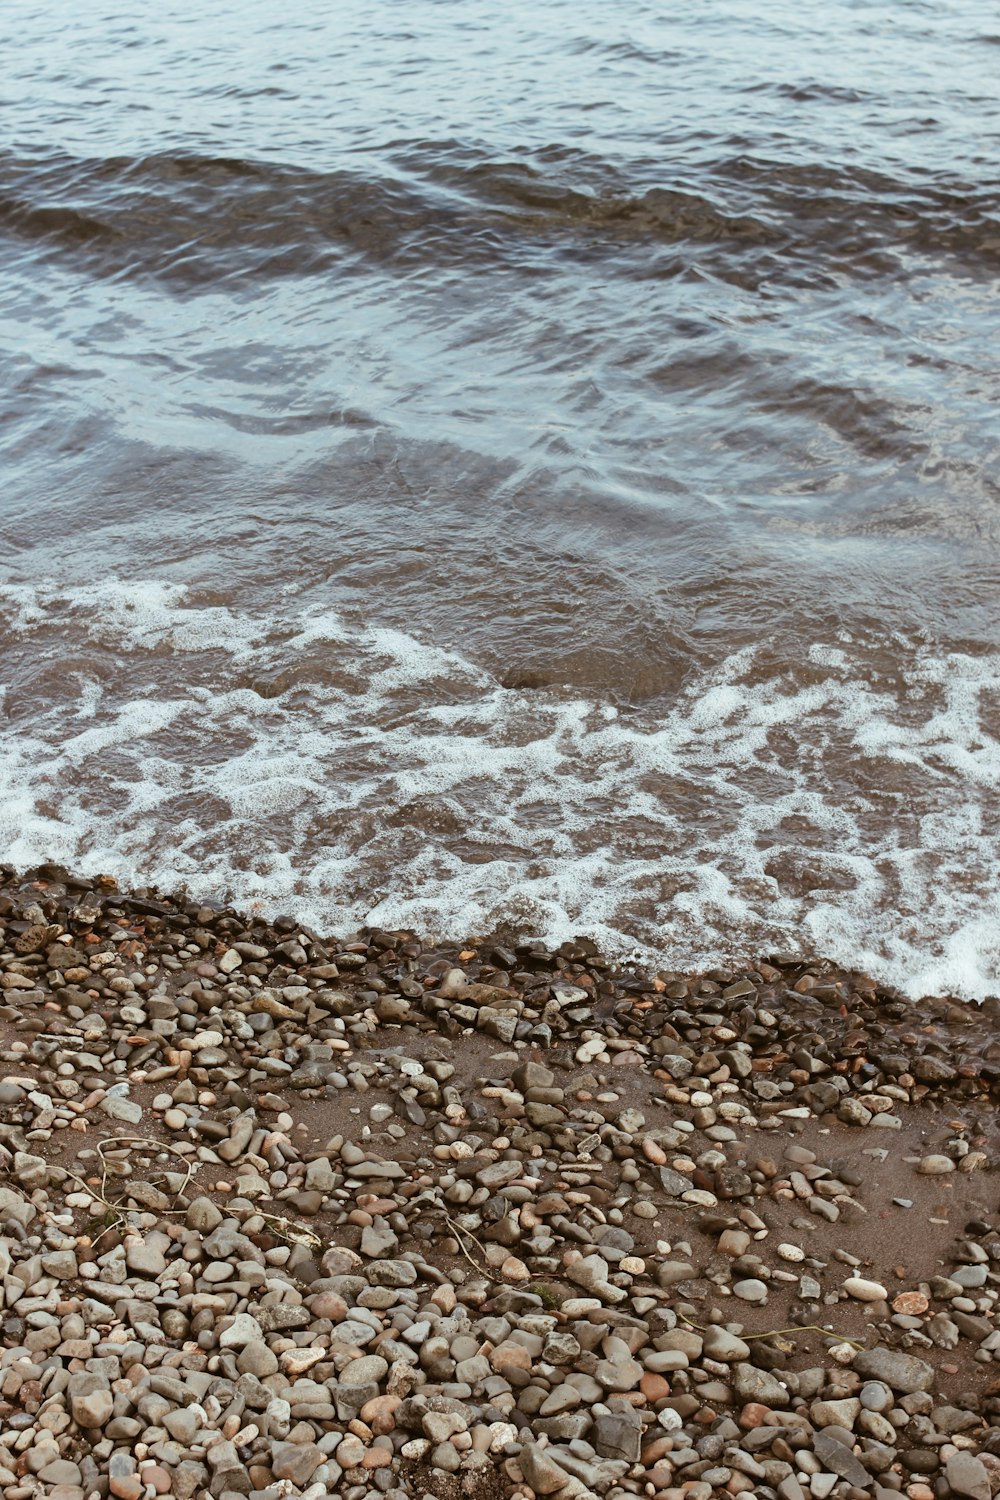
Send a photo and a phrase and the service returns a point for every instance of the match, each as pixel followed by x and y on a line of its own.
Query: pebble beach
pixel 289 1215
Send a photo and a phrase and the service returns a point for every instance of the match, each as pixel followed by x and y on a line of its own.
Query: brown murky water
pixel 465 468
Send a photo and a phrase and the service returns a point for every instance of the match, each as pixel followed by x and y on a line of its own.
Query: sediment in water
pixel 290 1215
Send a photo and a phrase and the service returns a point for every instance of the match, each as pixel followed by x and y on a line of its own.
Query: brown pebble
pixel 910 1303
pixel 754 1415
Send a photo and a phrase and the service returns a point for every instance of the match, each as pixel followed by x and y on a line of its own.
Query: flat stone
pixel 203 1215
pixel 60 1471
pixel 903 1372
pixel 499 1173
pixel 295 1461
pixel 378 1241
pixel 369 1368
pixel 837 1456
pixel 723 1346
pixel 147 1259
pixel 391 1273
pixel 750 1290
pixel 90 1400
pixel 542 1472
pixel 618 1435
pixel 618 1374
pixel 751 1384
pixel 669 1272
pixel 244 1329
pixel 117 1107
pixel 673 1183
pixel 967 1475
pixel 61 1264
pixel 842 1413
pixel 350 1451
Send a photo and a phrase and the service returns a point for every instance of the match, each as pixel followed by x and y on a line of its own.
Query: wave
pixel 195 221
pixel 361 774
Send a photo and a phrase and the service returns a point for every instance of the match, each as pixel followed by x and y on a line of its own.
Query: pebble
pixel 865 1291
pixel 363 1241
pixel 935 1166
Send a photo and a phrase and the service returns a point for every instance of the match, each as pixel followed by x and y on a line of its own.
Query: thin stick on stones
pixel 773 1333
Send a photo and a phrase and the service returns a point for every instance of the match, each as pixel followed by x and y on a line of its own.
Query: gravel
pixel 286 1215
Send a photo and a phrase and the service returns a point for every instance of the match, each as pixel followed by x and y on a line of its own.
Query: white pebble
pixel 865 1291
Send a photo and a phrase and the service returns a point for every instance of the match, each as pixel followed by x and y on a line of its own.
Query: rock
pixel 750 1290
pixel 91 1403
pixel 61 1264
pixel 751 1384
pixel 243 1329
pixel 591 1272
pixel 117 1107
pixel 865 1291
pixel 499 1173
pixel 29 1170
pixel 619 1435
pixel 669 1272
pixel 673 1183
pixel 542 1473
pixel 350 1451
pixel 903 1372
pixel 532 1075
pixel 932 1070
pixel 295 1461
pixel 378 1241
pixel 840 1413
pixel 732 1182
pixel 725 1347
pixel 145 1258
pixel 837 1457
pixel 935 1166
pixel 967 1476
pixel 183 1424
pixel 203 1214
pixel 618 1374
pixel 396 1273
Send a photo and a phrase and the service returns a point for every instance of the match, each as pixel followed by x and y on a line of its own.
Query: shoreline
pixel 284 1215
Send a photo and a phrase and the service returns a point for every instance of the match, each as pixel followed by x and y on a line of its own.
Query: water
pixel 466 467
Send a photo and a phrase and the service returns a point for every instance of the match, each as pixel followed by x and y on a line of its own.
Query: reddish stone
pixel 754 1415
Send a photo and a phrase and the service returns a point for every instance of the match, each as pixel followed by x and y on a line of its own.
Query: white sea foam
pixel 820 808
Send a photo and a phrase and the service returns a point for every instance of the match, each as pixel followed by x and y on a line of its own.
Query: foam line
pixel 396 782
